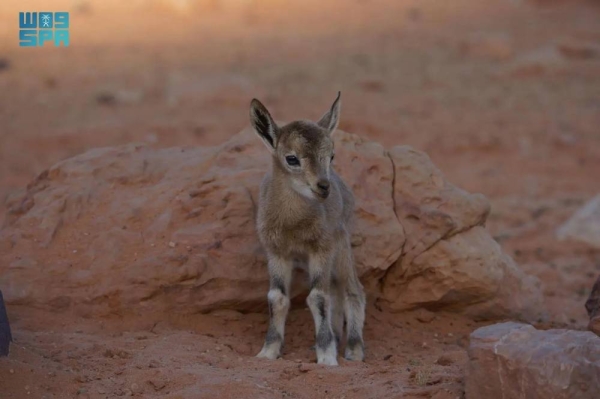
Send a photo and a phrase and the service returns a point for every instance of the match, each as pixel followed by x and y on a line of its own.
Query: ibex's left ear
pixel 331 118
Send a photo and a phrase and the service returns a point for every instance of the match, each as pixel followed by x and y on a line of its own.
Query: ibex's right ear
pixel 263 124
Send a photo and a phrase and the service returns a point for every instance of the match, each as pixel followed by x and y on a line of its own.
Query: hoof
pixel 356 354
pixel 328 361
pixel 265 353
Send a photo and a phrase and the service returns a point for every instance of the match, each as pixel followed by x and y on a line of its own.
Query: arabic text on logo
pixel 38 28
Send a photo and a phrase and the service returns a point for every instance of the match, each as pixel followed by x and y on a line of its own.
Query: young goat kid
pixel 303 220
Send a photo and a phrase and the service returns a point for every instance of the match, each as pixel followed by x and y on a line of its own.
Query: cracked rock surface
pixel 514 360
pixel 125 229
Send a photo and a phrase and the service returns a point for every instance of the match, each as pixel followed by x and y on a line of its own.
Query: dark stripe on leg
pixel 354 340
pixel 315 281
pixel 321 307
pixel 277 283
pixel 324 337
pixel 272 335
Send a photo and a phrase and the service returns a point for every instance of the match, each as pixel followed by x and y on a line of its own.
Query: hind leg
pixel 355 314
pixel 354 304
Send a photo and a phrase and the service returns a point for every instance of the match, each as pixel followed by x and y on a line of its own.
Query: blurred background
pixel 504 95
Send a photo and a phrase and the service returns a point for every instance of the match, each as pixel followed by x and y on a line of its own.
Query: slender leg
pixel 354 303
pixel 280 272
pixel 319 302
pixel 337 312
pixel 355 316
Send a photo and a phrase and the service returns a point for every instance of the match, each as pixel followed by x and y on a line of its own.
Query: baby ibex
pixel 303 220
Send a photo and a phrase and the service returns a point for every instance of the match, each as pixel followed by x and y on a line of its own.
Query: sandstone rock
pixel 584 225
pixel 449 259
pixel 465 270
pixel 512 360
pixel 592 305
pixel 129 229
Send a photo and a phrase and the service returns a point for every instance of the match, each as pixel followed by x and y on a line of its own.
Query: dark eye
pixel 292 160
pixel 332 156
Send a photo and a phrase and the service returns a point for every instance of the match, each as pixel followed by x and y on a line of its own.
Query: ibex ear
pixel 263 124
pixel 331 118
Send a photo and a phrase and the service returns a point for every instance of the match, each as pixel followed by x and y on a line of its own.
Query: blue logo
pixel 37 28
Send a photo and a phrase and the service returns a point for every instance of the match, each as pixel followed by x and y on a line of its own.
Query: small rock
pixel 584 225
pixel 578 50
pixel 157 385
pixel 172 244
pixel 304 368
pixel 424 316
pixel 387 357
pixel 135 388
pixel 444 360
pixel 12 371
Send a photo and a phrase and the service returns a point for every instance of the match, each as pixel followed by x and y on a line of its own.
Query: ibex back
pixel 303 220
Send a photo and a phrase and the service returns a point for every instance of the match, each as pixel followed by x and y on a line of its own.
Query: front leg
pixel 319 302
pixel 280 277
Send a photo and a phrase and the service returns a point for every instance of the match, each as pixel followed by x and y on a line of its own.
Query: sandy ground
pixel 410 73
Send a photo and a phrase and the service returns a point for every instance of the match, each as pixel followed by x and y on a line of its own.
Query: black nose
pixel 323 187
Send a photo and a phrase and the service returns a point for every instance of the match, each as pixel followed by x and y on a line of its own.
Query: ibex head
pixel 302 150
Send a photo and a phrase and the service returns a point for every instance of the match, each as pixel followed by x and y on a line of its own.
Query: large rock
pixel 584 225
pixel 130 228
pixel 449 260
pixel 514 361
